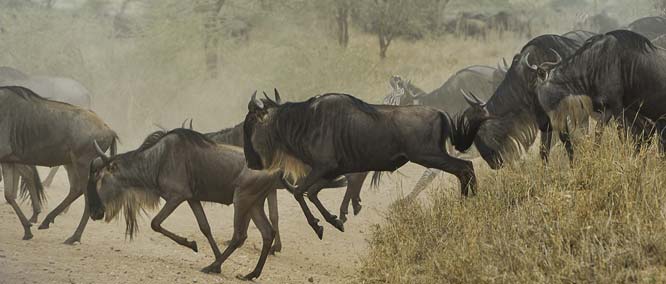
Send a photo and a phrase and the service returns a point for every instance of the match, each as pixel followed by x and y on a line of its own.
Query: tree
pixel 342 9
pixel 210 9
pixel 389 19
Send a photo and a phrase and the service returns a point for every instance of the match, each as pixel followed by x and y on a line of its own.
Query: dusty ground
pixel 105 256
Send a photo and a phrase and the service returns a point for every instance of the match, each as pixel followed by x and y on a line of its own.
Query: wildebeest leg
pixel 34 195
pixel 463 170
pixel 661 128
pixel 11 188
pixel 267 236
pixel 273 214
pixel 313 192
pixel 428 176
pixel 78 176
pixel 49 179
pixel 241 222
pixel 604 118
pixel 74 193
pixel 565 138
pixel 199 213
pixel 546 140
pixel 353 193
pixel 156 224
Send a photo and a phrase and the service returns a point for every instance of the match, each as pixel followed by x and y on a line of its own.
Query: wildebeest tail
pixel 30 179
pixel 376 178
pixel 341 181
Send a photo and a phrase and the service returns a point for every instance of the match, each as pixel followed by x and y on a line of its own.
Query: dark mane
pixel 312 102
pixel 546 42
pixel 231 136
pixel 629 40
pixel 188 135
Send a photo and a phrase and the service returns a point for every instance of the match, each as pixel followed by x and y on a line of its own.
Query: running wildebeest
pixel 620 74
pixel 649 27
pixel 516 113
pixel 334 134
pixel 234 136
pixel 479 80
pixel 184 165
pixel 59 89
pixel 38 131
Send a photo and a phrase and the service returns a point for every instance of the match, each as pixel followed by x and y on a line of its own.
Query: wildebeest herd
pixel 331 140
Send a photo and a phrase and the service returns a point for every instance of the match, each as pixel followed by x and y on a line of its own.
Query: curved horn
pixel 100 152
pixel 256 102
pixel 471 100
pixel 191 119
pixel 526 60
pixel 278 99
pixel 269 99
pixel 506 66
pixel 557 61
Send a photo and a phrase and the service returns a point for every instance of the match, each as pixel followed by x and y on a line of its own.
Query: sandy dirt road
pixel 105 256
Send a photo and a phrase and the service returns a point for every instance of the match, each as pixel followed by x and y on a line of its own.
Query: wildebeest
pixel 516 113
pixel 334 134
pixel 599 23
pixel 184 165
pixel 479 80
pixel 38 131
pixel 54 88
pixel 649 27
pixel 579 35
pixel 660 41
pixel 620 74
pixel 234 136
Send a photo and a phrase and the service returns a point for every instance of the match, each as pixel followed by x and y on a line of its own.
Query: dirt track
pixel 105 256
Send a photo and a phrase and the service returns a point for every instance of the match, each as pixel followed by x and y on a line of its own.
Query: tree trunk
pixel 384 42
pixel 210 10
pixel 342 19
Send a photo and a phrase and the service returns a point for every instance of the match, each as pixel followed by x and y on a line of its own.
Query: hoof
pixel 193 246
pixel 357 208
pixel 248 277
pixel 338 224
pixel 44 225
pixel 213 268
pixel 275 249
pixel 319 230
pixel 72 241
pixel 27 236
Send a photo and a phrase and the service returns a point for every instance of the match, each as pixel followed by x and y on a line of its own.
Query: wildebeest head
pixel 113 188
pixel 258 131
pixel 514 107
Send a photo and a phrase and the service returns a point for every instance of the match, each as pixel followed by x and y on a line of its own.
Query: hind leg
pixel 273 214
pixel 11 188
pixel 463 170
pixel 49 179
pixel 267 235
pixel 199 213
pixel 353 194
pixel 241 223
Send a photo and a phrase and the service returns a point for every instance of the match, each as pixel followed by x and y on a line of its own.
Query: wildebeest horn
pixel 557 61
pixel 278 100
pixel 266 96
pixel 191 120
pixel 182 125
pixel 506 66
pixel 101 153
pixel 256 102
pixel 526 60
pixel 472 99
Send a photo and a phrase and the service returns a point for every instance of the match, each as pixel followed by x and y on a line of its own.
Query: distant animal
pixel 328 136
pixel 599 23
pixel 515 112
pixel 478 80
pixel 178 166
pixel 59 89
pixel 472 28
pixel 234 136
pixel 579 35
pixel 620 74
pixel 660 41
pixel 38 131
pixel 649 27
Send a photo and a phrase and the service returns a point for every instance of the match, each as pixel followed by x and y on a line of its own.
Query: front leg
pixel 565 138
pixel 299 192
pixel 544 149
pixel 313 192
pixel 156 224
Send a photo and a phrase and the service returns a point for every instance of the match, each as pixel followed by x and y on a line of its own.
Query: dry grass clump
pixel 601 221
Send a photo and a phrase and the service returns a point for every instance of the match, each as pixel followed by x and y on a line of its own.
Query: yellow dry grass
pixel 600 221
